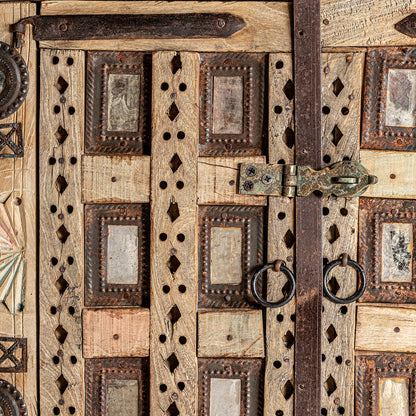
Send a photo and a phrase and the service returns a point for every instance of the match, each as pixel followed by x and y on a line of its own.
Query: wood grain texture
pixel 115 332
pixel 395 172
pixel 267 25
pixel 218 181
pixel 280 325
pixel 115 179
pixel 174 289
pixel 230 334
pixel 61 260
pixel 389 329
pixel 341 89
pixel 18 179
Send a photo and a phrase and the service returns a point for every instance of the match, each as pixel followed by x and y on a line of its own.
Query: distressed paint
pixel 401 98
pixel 225 397
pixel 394 396
pixel 397 249
pixel 122 398
pixel 226 249
pixel 123 103
pixel 122 254
pixel 228 105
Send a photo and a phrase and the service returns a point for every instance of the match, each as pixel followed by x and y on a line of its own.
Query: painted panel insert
pixel 226 246
pixel 394 397
pixel 123 398
pixel 225 397
pixel 122 254
pixel 228 105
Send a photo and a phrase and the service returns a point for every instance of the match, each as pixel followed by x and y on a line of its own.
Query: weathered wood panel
pixel 230 334
pixel 386 329
pixel 61 233
pixel 115 179
pixel 115 333
pixel 122 398
pixel 394 397
pixel 225 397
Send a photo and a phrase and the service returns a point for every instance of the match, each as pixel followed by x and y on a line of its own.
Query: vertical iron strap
pixel 308 151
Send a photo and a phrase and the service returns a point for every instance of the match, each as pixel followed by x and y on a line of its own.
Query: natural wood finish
pixel 341 88
pixel 50 246
pixel 115 179
pixel 389 329
pixel 267 25
pixel 115 332
pixel 167 280
pixel 218 181
pixel 395 171
pixel 230 334
pixel 278 332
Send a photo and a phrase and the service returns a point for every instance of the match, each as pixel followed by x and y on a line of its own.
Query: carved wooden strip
pixel 395 172
pixel 385 329
pixel 341 92
pixel 115 179
pixel 20 175
pixel 230 334
pixel 174 213
pixel 115 333
pixel 268 28
pixel 61 233
pixel 280 322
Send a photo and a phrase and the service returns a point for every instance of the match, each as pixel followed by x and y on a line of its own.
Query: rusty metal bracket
pixel 126 26
pixel 343 179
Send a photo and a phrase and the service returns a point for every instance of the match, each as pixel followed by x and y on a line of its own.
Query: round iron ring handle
pixel 287 272
pixel 361 275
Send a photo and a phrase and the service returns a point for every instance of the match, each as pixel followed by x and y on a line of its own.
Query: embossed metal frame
pixel 98 139
pixel 6 140
pixel 373 214
pixel 249 371
pixel 252 67
pixel 251 220
pixel 97 291
pixel 375 134
pixel 99 370
pixel 370 369
pixel 11 400
pixel 9 353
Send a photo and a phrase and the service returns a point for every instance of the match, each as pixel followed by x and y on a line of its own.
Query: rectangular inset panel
pixel 386 251
pixel 123 102
pixel 118 103
pixel 122 254
pixel 122 398
pixel 227 117
pixel 104 285
pixel 397 243
pixel 250 222
pixel 389 117
pixel 394 396
pixel 117 386
pixel 225 396
pixel 230 387
pixel 13 355
pixel 226 256
pixel 115 333
pixel 232 94
pixel 230 334
pixel 385 385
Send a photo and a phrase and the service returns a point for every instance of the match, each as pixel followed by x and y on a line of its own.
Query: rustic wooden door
pixel 140 301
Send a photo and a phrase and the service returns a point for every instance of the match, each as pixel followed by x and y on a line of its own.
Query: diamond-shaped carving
pixel 175 163
pixel 336 135
pixel 287 287
pixel 337 87
pixel 331 333
pixel 61 135
pixel 333 234
pixel 289 239
pixel 333 285
pixel 61 85
pixel 62 383
pixel 61 284
pixel 61 333
pixel 174 314
pixel 173 264
pixel 289 137
pixel 61 184
pixel 173 112
pixel 330 385
pixel 172 410
pixel 288 339
pixel 289 90
pixel 176 63
pixel 173 211
pixel 172 363
pixel 62 234
pixel 287 390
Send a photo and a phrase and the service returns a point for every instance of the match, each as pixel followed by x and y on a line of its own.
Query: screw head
pixel 115 336
pixel 113 179
pixel 229 337
pixel 174 396
pixel 63 27
pixel 221 23
pixel 248 185
pixel 267 179
pixel 251 171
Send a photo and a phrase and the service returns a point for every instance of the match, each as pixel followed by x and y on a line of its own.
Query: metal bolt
pixel 113 179
pixel 286 359
pixel 348 58
pixel 62 269
pixel 326 22
pixel 174 396
pixel 351 97
pixel 63 27
pixel 392 176
pixel 229 337
pixel 61 216
pixel 248 185
pixel 61 160
pixel 337 401
pixel 348 362
pixel 397 329
pixel 326 70
pixel 301 387
pixel 173 96
pixel 17 201
pixel 267 179
pixel 227 298
pixel 232 183
pixel 174 251
pixel 251 171
pixel 62 100
pixel 289 258
pixel 115 336
pixel 60 353
pixel 221 23
pixel 61 401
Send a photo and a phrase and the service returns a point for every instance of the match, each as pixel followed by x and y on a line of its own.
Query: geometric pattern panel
pixel 10 148
pixel 231 245
pixel 232 101
pixel 387 251
pixel 117 255
pixel 118 103
pixel 13 355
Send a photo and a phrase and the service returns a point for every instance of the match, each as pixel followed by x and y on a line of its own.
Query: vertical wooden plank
pixel 61 232
pixel 280 325
pixel 341 91
pixel 175 106
pixel 18 179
